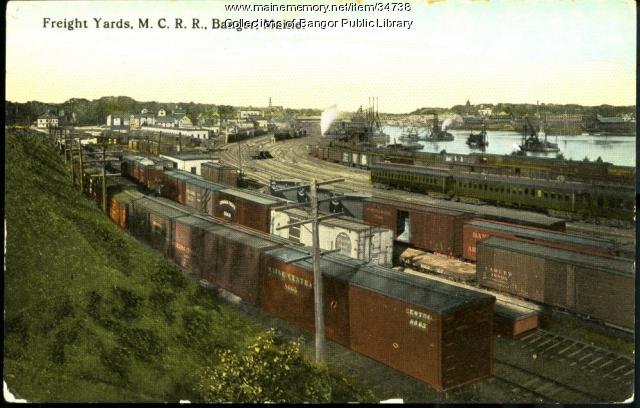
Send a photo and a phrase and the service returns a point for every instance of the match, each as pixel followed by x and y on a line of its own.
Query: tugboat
pixel 437 134
pixel 478 140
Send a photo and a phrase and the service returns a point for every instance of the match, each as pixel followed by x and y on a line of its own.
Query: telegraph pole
pixel 81 166
pixel 104 175
pixel 318 300
pixel 318 295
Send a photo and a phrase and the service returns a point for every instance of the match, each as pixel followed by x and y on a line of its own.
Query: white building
pixel 47 121
pixel 190 162
pixel 195 133
pixel 352 237
pixel 249 114
pixel 118 121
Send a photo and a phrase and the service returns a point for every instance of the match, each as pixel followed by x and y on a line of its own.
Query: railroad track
pixel 592 359
pixel 525 385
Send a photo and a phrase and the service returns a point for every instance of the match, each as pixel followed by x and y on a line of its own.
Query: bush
pixel 270 372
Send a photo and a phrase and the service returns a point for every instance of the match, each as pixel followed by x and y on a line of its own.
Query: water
pixel 618 149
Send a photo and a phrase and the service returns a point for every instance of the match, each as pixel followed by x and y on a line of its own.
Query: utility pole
pixel 318 293
pixel 317 274
pixel 104 176
pixel 81 165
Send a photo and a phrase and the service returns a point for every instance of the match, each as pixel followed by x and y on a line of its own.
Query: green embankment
pixel 92 315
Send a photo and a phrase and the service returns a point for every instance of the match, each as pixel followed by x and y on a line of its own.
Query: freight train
pixel 450 231
pixel 437 333
pixel 584 200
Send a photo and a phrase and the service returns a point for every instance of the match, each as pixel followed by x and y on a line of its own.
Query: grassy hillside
pixel 90 314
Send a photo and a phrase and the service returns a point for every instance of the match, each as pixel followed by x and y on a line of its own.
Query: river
pixel 616 149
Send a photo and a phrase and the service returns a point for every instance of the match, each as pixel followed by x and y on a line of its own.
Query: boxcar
pixel 200 194
pixel 250 209
pixel 188 243
pixel 231 258
pixel 431 228
pixel 151 220
pixel 174 186
pixel 600 287
pixel 435 332
pixel 119 206
pixel 476 230
pixel 286 290
pixel 220 173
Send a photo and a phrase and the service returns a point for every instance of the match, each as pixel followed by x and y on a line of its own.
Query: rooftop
pixel 544 235
pixel 429 294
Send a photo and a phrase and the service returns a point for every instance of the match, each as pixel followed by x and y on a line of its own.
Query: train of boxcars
pixel 427 227
pixel 577 189
pixel 437 333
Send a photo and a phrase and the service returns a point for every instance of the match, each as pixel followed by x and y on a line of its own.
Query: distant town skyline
pixel 581 52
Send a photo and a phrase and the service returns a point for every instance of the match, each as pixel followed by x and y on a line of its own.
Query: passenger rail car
pixel 501 165
pixel 580 199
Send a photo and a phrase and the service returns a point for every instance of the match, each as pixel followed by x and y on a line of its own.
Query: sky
pixel 518 51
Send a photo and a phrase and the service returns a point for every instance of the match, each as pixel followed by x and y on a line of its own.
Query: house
pixel 162 112
pixel 119 121
pixel 142 119
pixel 190 162
pixel 249 114
pixel 485 111
pixel 47 121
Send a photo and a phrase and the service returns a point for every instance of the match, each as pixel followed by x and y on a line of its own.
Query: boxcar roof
pixel 429 294
pixel 339 267
pixel 159 206
pixel 605 263
pixel 251 196
pixel 349 223
pixel 543 235
pixel 423 203
pixel 424 207
pixel 128 195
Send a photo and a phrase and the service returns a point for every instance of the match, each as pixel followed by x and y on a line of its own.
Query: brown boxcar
pixel 200 194
pixel 435 332
pixel 246 208
pixel 286 290
pixel 476 230
pixel 151 220
pixel 334 155
pixel 174 186
pixel 119 206
pixel 600 287
pixel 231 258
pixel 188 243
pixel 430 228
pixel 220 173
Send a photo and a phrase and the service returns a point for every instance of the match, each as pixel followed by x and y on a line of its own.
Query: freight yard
pixel 550 322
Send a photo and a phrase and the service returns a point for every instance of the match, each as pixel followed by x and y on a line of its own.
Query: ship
pixel 438 134
pixel 364 128
pixel 536 142
pixel 478 140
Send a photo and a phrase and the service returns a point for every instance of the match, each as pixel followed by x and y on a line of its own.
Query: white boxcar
pixel 351 236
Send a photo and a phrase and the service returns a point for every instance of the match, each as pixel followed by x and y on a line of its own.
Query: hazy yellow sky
pixel 555 51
